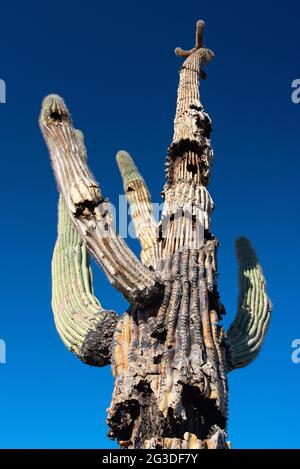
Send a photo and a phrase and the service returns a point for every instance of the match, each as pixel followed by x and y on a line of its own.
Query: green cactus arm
pixel 89 210
pixel 246 334
pixel 83 325
pixel 141 211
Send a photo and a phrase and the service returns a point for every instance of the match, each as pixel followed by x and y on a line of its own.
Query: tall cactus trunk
pixel 169 362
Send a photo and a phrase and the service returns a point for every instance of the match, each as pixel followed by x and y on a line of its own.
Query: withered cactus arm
pixel 247 332
pixel 139 199
pixel 89 210
pixel 83 325
pixel 198 45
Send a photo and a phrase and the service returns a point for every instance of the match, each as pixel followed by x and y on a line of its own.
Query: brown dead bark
pixel 169 362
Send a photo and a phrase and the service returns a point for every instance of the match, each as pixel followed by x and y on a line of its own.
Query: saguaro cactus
pixel 169 353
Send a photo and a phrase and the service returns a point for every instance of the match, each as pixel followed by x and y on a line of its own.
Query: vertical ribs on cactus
pixel 169 352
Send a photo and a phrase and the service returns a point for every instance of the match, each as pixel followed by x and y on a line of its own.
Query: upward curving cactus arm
pixel 83 325
pixel 199 34
pixel 139 199
pixel 247 332
pixel 89 210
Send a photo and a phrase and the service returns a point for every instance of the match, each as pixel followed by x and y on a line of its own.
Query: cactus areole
pixel 169 353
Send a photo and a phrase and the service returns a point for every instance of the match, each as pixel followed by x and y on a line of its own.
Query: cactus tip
pixel 54 110
pixel 245 252
pixel 242 242
pixel 122 155
pixel 200 24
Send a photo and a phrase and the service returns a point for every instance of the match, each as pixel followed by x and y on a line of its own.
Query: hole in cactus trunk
pixel 56 116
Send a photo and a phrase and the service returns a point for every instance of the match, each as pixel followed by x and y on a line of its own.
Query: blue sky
pixel 115 66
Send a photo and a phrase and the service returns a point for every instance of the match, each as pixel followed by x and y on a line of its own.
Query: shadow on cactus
pixel 169 353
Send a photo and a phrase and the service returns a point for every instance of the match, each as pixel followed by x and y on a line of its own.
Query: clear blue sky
pixel 114 64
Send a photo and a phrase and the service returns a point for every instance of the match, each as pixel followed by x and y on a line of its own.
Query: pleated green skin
pixel 247 332
pixel 128 169
pixel 84 326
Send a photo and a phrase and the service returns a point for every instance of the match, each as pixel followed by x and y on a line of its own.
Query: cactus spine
pixel 169 353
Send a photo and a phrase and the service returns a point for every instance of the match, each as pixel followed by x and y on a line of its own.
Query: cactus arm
pixel 83 325
pixel 89 210
pixel 199 34
pixel 139 199
pixel 183 53
pixel 247 332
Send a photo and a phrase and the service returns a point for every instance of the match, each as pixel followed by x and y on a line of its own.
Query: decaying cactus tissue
pixel 169 353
